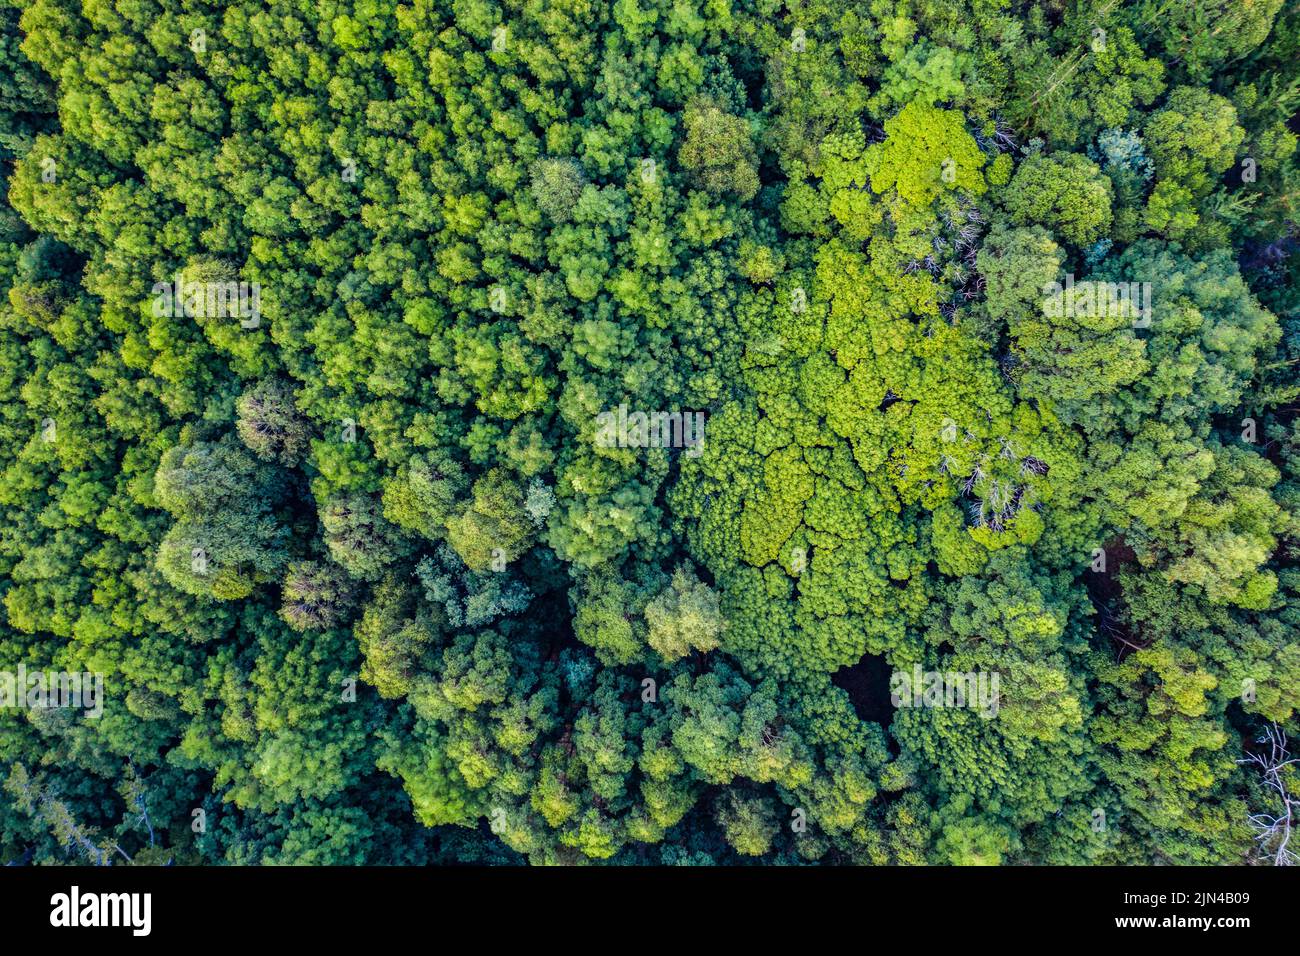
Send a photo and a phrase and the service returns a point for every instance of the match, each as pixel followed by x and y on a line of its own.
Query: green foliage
pixel 556 185
pixel 718 151
pixel 1066 193
pixel 989 313
pixel 684 617
pixel 270 425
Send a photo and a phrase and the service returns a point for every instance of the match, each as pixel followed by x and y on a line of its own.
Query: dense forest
pixel 554 431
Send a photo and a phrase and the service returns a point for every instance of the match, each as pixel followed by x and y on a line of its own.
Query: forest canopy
pixel 655 432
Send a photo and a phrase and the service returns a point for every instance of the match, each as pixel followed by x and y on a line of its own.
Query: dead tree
pixel 1273 830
